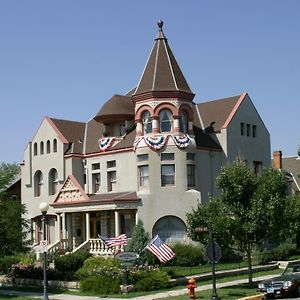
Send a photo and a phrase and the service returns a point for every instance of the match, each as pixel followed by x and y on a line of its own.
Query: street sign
pixel 213 252
pixel 201 229
pixel 43 246
pixel 127 256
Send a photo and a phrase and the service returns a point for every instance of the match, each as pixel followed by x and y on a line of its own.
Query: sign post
pixel 126 258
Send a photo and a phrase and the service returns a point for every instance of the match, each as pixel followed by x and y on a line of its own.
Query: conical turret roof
pixel 162 72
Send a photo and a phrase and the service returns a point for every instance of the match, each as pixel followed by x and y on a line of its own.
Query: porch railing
pixel 61 245
pixel 97 247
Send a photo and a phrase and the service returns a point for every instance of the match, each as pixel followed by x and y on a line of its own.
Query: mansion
pixel 151 154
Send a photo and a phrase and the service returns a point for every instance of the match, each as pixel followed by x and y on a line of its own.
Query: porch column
pixel 136 217
pixel 58 226
pixel 87 226
pixel 117 223
pixel 69 228
pixel 63 227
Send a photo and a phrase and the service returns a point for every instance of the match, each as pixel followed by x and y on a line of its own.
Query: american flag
pixel 161 250
pixel 120 240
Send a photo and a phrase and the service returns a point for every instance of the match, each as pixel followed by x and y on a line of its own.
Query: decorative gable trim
pixel 233 112
pixel 71 192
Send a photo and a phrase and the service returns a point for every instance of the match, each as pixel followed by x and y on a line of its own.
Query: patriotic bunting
pixel 181 141
pixel 105 143
pixel 156 143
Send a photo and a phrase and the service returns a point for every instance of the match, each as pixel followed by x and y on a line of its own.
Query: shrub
pixel 71 262
pixel 151 280
pixel 21 270
pixel 187 255
pixel 284 250
pixel 100 266
pixel 100 284
pixel 6 262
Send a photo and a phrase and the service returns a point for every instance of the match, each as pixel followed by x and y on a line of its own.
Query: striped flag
pixel 110 242
pixel 161 250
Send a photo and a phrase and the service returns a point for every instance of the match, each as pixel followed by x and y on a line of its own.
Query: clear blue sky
pixel 65 58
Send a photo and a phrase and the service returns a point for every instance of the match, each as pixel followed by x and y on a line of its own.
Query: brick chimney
pixel 277 160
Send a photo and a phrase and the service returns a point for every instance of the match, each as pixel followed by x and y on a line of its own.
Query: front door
pixel 95 226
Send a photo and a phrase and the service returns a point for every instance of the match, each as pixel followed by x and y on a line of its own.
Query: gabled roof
pixel 162 72
pixel 69 132
pixel 292 166
pixel 217 114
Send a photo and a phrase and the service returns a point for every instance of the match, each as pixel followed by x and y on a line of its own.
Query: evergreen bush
pixel 100 285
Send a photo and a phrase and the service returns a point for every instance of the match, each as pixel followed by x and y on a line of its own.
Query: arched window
pixel 171 229
pixel 53 182
pixel 48 146
pixel 38 183
pixel 147 122
pixel 35 149
pixel 183 123
pixel 165 120
pixel 55 145
pixel 42 147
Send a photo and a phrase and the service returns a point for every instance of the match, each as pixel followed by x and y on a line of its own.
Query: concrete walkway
pixel 161 295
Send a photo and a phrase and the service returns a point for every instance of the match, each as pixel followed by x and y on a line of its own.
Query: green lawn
pixel 228 293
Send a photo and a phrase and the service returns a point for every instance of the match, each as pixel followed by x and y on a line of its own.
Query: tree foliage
pixel 12 224
pixel 7 173
pixel 249 210
pixel 139 240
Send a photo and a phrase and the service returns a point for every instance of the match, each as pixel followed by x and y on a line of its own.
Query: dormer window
pixel 147 122
pixel 165 120
pixel 183 125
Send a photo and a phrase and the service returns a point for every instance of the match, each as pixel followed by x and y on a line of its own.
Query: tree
pixel 7 173
pixel 249 210
pixel 12 224
pixel 138 241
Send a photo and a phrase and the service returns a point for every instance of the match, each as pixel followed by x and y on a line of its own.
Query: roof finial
pixel 160 24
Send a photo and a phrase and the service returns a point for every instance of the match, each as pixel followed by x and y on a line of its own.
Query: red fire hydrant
pixel 191 287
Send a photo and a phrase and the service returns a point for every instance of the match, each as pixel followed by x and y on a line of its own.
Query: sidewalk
pixel 161 295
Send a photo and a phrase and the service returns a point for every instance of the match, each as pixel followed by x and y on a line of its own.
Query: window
pixel 254 130
pixel 96 166
pixel 183 124
pixel 48 146
pixel 142 157
pixel 96 182
pixel 38 183
pixel 42 148
pixel 55 145
pixel 242 128
pixel 111 181
pixel 191 182
pixel 53 182
pixel 122 129
pixel 35 149
pixel 248 129
pixel 190 156
pixel 143 175
pixel 147 122
pixel 257 166
pixel 167 156
pixel 167 175
pixel 111 164
pixel 165 120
